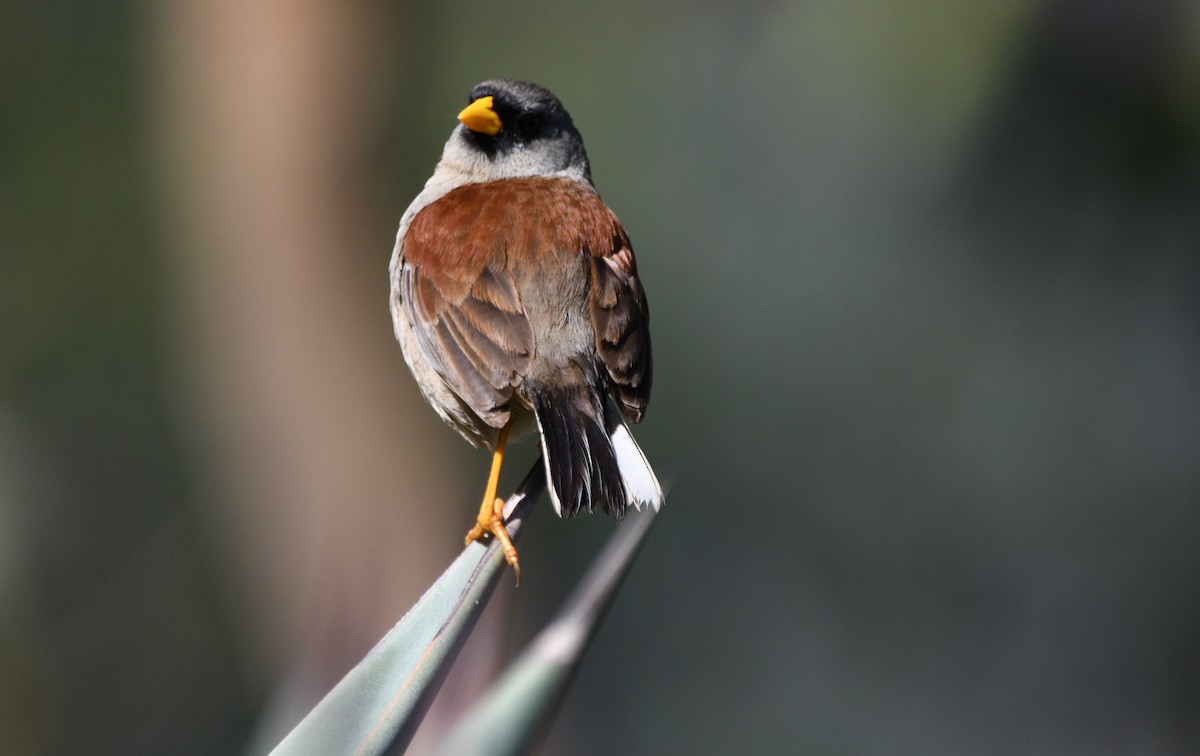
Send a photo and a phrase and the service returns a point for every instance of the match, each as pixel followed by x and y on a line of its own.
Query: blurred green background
pixel 925 283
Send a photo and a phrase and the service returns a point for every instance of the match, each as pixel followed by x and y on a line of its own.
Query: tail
pixel 592 461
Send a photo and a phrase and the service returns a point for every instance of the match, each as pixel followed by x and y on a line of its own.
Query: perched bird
pixel 516 301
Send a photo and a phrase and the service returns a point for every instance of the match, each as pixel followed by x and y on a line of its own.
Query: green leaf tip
pixel 519 706
pixel 378 705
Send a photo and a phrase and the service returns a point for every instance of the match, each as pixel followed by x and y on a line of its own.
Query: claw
pixel 501 532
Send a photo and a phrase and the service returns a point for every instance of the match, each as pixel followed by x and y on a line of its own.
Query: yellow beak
pixel 479 117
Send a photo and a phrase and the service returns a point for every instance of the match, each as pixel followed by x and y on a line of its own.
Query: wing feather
pixel 476 336
pixel 621 318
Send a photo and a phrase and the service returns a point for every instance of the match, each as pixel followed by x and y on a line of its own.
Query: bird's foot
pixel 491 523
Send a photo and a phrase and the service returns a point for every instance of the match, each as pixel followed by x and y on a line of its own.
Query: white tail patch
pixel 554 500
pixel 641 486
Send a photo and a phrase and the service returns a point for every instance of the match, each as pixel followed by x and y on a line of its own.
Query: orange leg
pixel 491 512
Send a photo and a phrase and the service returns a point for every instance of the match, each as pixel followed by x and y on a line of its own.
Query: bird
pixel 516 301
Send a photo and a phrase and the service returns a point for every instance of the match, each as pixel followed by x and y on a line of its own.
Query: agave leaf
pixel 516 709
pixel 378 704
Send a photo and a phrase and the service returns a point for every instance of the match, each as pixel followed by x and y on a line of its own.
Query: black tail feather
pixel 582 466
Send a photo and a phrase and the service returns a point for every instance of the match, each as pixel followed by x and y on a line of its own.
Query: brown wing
pixel 621 318
pixel 465 310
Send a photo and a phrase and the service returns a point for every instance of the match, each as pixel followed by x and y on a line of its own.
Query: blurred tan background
pixel 927 337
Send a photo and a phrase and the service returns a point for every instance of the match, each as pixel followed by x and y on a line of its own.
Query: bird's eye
pixel 529 124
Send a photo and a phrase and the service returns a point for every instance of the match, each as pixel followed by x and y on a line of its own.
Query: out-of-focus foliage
pixel 112 637
pixel 923 280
